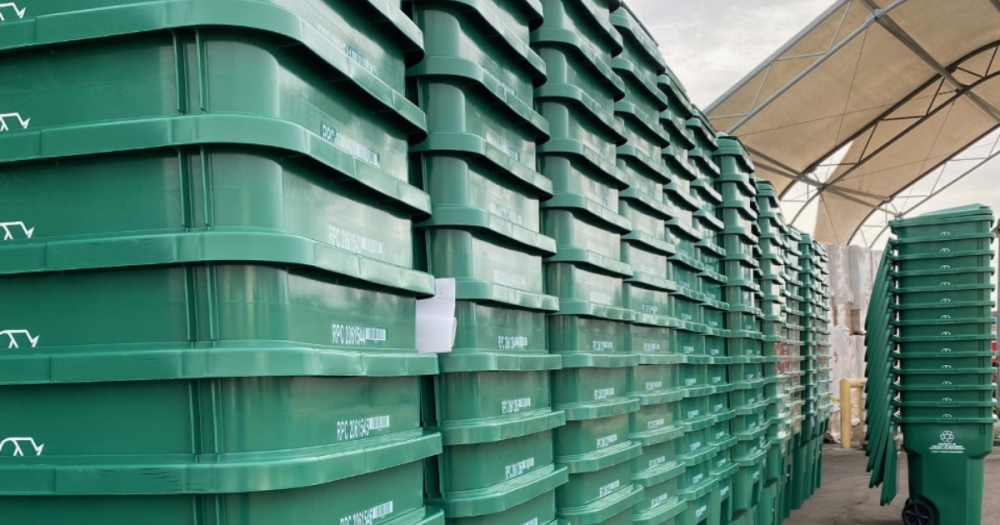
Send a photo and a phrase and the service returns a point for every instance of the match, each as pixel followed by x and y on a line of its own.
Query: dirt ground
pixel 845 499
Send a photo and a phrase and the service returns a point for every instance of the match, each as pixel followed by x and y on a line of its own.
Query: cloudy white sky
pixel 712 44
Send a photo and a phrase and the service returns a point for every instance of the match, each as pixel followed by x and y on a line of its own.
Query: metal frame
pixel 962 91
pixel 994 153
pixel 944 77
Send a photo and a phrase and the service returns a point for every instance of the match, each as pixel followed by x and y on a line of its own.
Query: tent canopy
pixel 903 85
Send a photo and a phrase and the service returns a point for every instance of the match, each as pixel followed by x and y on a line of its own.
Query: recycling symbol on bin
pixel 947 436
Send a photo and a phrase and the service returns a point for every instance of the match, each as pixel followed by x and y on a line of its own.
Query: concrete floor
pixel 845 498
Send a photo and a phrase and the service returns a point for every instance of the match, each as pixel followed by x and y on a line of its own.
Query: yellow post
pixel 846 410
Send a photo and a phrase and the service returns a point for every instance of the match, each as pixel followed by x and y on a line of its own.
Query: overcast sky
pixel 712 44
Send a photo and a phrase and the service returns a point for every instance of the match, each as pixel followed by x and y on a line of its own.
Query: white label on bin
pixel 695 446
pixel 3 121
pixel 693 414
pixel 651 347
pixel 607 441
pixel 367 517
pixel 503 85
pixel 353 242
pixel 14 335
pixel 353 335
pixel 604 393
pixel 18 11
pixel 697 479
pixel 653 385
pixel 609 488
pixel 509 279
pixel 947 444
pixel 650 309
pixel 507 215
pixel 603 346
pixel 690 382
pixel 512 342
pixel 656 462
pixel 513 406
pixel 10 227
pixel 659 500
pixel 347 49
pixel 350 429
pixel 14 445
pixel 502 145
pixel 351 146
pixel 514 470
pixel 701 511
pixel 724 491
pixel 656 423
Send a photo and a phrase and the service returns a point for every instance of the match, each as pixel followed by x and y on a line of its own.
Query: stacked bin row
pixel 929 365
pixel 697 304
pixel 588 273
pixel 659 425
pixel 209 288
pixel 246 264
pixel 773 228
pixel 816 366
pixel 493 402
pixel 739 213
pixel 685 268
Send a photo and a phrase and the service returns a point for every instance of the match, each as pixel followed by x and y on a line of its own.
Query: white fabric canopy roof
pixel 903 85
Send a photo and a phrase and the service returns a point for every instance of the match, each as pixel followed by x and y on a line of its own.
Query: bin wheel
pixel 916 514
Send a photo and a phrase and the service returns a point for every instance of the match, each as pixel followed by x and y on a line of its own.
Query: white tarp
pixel 906 84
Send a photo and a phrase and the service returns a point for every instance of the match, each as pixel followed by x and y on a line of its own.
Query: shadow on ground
pixel 845 499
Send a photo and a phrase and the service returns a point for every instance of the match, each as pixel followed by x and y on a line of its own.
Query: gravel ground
pixel 845 499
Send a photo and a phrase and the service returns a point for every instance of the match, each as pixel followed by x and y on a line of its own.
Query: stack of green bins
pixel 816 342
pixel 803 450
pixel 943 327
pixel 591 330
pixel 493 401
pixel 823 358
pixel 796 373
pixel 692 215
pixel 657 381
pixel 209 308
pixel 702 341
pixel 775 348
pixel 739 213
pixel 881 446
pixel 687 197
pixel 789 367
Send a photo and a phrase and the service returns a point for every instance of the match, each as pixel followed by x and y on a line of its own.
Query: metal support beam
pixel 993 154
pixel 860 30
pixel 900 34
pixel 778 54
